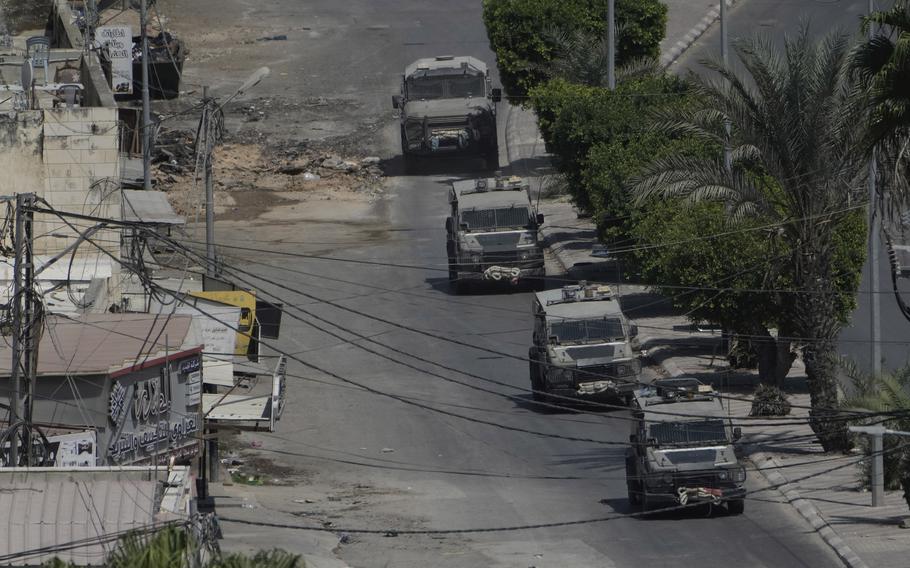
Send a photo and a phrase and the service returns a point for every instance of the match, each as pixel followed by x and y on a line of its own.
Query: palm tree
pixel 883 65
pixel 887 393
pixel 797 162
pixel 174 547
pixel 171 546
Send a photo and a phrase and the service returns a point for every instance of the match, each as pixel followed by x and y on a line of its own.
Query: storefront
pixel 117 389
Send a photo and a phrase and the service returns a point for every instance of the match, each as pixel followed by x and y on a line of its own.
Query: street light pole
pixel 209 184
pixel 875 315
pixel 611 44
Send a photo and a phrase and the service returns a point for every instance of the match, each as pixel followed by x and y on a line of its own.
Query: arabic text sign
pixel 119 43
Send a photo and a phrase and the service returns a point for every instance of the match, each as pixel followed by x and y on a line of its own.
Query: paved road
pixel 427 460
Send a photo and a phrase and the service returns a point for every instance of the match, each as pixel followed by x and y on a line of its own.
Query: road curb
pixel 669 58
pixel 770 470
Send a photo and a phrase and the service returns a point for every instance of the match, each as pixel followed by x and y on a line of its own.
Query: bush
pixel 604 131
pixel 769 401
pixel 517 33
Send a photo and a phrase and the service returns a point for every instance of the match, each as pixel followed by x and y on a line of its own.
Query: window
pixel 501 218
pixel 587 330
pixel 688 432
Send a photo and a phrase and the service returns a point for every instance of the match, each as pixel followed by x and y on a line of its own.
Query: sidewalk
pixel 823 488
pixel 687 20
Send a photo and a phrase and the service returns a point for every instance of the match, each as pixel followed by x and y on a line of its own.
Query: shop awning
pixel 246 411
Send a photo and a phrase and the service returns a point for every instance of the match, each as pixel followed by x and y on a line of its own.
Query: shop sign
pixel 74 450
pixel 194 388
pixel 148 440
pixel 119 43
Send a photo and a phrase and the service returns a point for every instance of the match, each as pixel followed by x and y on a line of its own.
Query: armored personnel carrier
pixel 682 448
pixel 492 233
pixel 583 345
pixel 448 107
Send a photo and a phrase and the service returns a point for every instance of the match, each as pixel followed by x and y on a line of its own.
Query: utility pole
pixel 728 154
pixel 146 111
pixel 206 131
pixel 26 331
pixel 611 44
pixel 875 311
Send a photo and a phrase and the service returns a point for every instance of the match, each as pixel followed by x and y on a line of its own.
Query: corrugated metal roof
pixel 97 344
pixel 149 207
pixel 51 507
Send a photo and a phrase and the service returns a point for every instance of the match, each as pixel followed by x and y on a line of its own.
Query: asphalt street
pixel 420 450
pixel 777 17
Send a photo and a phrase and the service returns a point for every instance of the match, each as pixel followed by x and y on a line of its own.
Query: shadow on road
pixel 668 511
pixel 397 166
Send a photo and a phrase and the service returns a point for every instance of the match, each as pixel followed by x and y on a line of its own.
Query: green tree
pixel 519 33
pixel 722 273
pixel 796 119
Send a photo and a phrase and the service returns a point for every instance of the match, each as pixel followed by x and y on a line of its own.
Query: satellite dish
pixel 26 75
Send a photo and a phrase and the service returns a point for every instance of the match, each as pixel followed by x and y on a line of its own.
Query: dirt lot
pixel 253 178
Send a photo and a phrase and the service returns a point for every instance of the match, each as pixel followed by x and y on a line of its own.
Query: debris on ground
pixel 251 177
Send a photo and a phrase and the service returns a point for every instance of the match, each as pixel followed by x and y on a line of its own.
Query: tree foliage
pixel 796 118
pixel 575 119
pixel 518 33
pixel 173 547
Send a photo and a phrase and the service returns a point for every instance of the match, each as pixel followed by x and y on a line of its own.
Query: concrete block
pixel 81 114
pixel 58 157
pixel 99 171
pixel 104 114
pixel 100 156
pixel 62 170
pixel 54 127
pixel 105 142
pixel 66 184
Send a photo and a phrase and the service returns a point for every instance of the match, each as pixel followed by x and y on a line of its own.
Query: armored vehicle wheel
pixel 491 158
pixel 736 507
pixel 534 372
pixel 453 273
pixel 634 495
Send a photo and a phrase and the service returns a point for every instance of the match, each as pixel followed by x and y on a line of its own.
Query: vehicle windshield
pixel 688 432
pixel 602 329
pixel 498 218
pixel 428 87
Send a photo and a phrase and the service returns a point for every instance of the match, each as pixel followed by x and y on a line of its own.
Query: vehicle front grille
pixel 447 122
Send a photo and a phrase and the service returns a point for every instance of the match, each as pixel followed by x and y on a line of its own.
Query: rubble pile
pixel 249 167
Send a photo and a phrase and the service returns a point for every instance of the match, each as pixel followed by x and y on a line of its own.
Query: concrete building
pixel 130 385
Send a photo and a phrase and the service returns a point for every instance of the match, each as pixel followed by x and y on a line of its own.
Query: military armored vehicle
pixel 447 107
pixel 682 448
pixel 492 233
pixel 583 345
